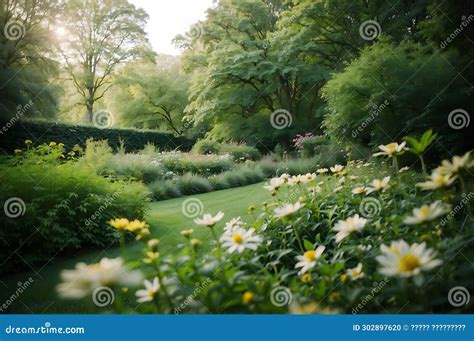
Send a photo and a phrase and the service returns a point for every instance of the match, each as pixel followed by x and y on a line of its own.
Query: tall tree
pixel 25 62
pixel 150 95
pixel 101 34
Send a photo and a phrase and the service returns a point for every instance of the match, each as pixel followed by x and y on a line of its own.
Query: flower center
pixel 237 238
pixel 424 211
pixel 310 255
pixel 409 263
pixel 391 147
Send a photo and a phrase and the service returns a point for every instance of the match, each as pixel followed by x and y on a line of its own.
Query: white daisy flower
pixel 401 259
pixel 322 170
pixel 356 273
pixel 337 169
pixel 457 163
pixel 358 190
pixel 378 185
pixel 294 180
pixel 391 149
pixel 148 294
pixel 437 180
pixel 284 176
pixel 308 177
pixel 84 279
pixel 287 209
pixel 238 239
pixel 275 183
pixel 427 213
pixel 346 227
pixel 308 260
pixel 234 222
pixel 209 220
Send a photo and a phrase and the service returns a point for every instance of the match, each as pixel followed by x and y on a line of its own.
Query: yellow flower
pixel 136 225
pixel 119 223
pixel 52 144
pixel 17 151
pixel 248 297
pixel 28 142
pixel 144 232
pixel 151 257
pixel 187 233
pixel 153 244
pixel 195 242
pixel 344 277
pixel 306 278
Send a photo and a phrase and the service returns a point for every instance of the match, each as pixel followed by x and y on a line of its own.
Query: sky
pixel 169 18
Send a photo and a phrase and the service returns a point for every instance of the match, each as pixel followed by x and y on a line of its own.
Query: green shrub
pixel 241 152
pixel 218 182
pixel 164 189
pixel 312 145
pixel 70 135
pixel 182 163
pixel 207 147
pixel 190 184
pixel 66 207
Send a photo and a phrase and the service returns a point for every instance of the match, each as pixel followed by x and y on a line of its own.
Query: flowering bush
pixel 54 205
pixel 353 238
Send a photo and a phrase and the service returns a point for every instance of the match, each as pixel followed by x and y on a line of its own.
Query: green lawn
pixel 166 220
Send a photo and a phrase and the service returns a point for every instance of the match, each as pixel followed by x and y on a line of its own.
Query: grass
pixel 166 220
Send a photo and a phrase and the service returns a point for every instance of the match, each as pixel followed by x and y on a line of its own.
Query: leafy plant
pixel 418 147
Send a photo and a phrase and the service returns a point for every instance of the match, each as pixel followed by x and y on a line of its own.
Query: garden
pixel 292 159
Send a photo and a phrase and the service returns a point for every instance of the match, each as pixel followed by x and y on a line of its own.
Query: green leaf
pixel 308 245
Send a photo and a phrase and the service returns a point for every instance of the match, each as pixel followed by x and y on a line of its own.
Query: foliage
pixel 42 132
pixel 66 206
pixel 206 146
pixel 150 95
pixel 101 36
pixel 26 65
pixel 316 269
pixel 361 106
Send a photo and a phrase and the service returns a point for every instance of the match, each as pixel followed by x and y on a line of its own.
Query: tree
pixel 150 95
pixel 26 66
pixel 101 34
pixel 393 90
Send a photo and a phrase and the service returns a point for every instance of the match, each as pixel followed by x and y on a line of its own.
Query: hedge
pixel 13 135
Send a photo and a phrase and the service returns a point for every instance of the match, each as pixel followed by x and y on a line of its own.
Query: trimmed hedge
pixel 44 132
